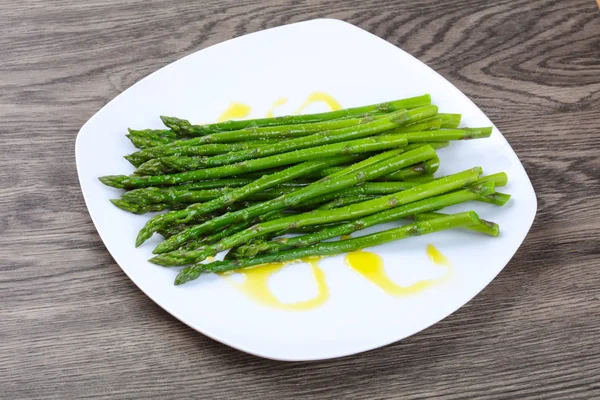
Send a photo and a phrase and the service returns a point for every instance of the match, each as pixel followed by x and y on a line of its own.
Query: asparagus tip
pixel 182 277
pixel 126 206
pixel 115 181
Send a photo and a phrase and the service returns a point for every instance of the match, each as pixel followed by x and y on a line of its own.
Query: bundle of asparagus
pixel 238 186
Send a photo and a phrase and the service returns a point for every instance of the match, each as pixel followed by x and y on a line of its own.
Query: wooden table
pixel 72 325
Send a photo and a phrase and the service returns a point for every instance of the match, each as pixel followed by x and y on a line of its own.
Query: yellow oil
pixel 345 237
pixel 256 285
pixel 436 256
pixel 277 103
pixel 317 97
pixel 370 266
pixel 235 110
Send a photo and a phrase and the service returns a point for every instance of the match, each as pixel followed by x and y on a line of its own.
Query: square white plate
pixel 356 68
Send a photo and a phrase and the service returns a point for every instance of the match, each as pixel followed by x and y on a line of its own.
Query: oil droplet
pixel 235 110
pixel 370 266
pixel 317 97
pixel 436 256
pixel 278 103
pixel 345 237
pixel 256 285
pixel 210 259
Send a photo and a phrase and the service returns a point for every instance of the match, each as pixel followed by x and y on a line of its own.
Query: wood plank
pixel 74 326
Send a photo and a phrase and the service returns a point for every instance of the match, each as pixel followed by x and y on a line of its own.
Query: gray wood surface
pixel 72 325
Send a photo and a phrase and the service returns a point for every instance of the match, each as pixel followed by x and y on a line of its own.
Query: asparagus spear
pixel 144 143
pixel 498 199
pixel 144 208
pixel 168 196
pixel 197 210
pixel 498 179
pixel 439 186
pixel 424 168
pixel 207 190
pixel 332 248
pixel 448 134
pixel 427 168
pixel 427 124
pixel 165 135
pixel 155 195
pixel 351 147
pixel 392 120
pixel 478 191
pixel 211 184
pixel 175 164
pixel 283 131
pixel 345 201
pixel 450 121
pixel 230 230
pixel 183 127
pixel 394 214
pixel 365 189
pixel 323 186
pixel 140 157
pixel 277 133
pixel 486 227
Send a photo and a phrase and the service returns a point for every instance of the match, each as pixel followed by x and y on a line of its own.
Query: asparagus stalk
pixel 183 127
pixel 486 227
pixel 394 214
pixel 165 135
pixel 498 199
pixel 430 167
pixel 450 121
pixel 332 248
pixel 448 134
pixel 351 147
pixel 230 230
pixel 345 201
pixel 499 179
pixel 425 168
pixel 392 120
pixel 168 196
pixel 205 185
pixel 144 208
pixel 197 210
pixel 419 178
pixel 321 187
pixel 142 156
pixel 439 186
pixel 144 143
pixel 427 124
pixel 365 189
pixel 283 131
pixel 155 195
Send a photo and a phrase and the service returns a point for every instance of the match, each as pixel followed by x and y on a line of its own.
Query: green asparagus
pixel 394 214
pixel 332 248
pixel 345 148
pixel 392 120
pixel 439 186
pixel 184 128
pixel 323 186
pixel 197 210
pixel 486 227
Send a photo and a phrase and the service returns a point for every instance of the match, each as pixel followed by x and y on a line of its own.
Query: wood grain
pixel 72 325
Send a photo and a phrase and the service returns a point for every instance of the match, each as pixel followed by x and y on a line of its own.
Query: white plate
pixel 356 68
